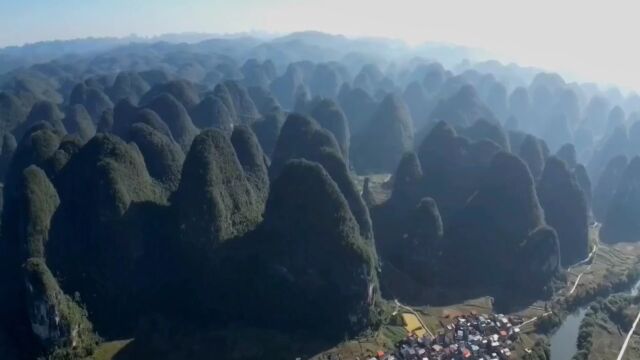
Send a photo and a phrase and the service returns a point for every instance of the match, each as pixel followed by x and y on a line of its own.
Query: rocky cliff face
pixel 60 325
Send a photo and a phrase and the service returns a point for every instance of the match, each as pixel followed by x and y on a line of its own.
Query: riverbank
pixel 615 269
pixel 605 326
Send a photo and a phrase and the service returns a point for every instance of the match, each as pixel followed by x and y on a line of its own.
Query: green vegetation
pixel 604 328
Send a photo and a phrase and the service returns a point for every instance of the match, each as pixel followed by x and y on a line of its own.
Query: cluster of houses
pixel 470 337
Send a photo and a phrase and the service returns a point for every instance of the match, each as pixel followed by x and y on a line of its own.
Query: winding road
pixel 626 341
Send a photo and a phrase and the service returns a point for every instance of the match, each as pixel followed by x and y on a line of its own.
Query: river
pixel 564 340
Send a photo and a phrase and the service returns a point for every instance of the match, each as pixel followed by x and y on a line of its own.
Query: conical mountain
pixel 621 221
pixel 582 177
pixel 565 209
pixel 78 122
pixel 128 85
pixel 94 100
pixel 8 148
pixel 485 130
pixel 176 117
pixel 614 145
pixel 329 115
pixel 91 244
pixel 533 155
pixel 267 130
pixel 42 111
pixel 264 100
pixel 69 146
pixel 606 187
pixel 567 153
pixel 302 138
pixel 124 114
pixel 325 81
pixel 252 159
pixel 162 156
pixel 215 200
pixel 285 87
pixel 407 181
pixel 12 112
pixel 462 109
pixel 359 107
pixel 494 228
pixel 211 112
pixel 387 137
pixel 244 107
pixel 182 90
pixel 151 119
pixel 416 98
pixel 331 286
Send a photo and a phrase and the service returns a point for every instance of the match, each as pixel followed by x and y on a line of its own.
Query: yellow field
pixel 412 324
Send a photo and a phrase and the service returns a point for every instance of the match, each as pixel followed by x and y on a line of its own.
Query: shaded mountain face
pixel 418 103
pixel 325 81
pixel 243 105
pixel 212 112
pixel 359 108
pixel 252 159
pixel 453 167
pixel 409 241
pixel 582 178
pixel 286 87
pixel 485 130
pixel 389 134
pixel 302 138
pixel 495 228
pixel 8 148
pixel 93 99
pixel 462 109
pixel 567 153
pixel 327 275
pixel 264 100
pixel 56 320
pixel 620 222
pixel 329 115
pixel 267 130
pixel 176 117
pixel 565 209
pixel 25 226
pixel 606 187
pixel 78 122
pixel 119 121
pixel 92 245
pixel 43 112
pixel 127 85
pixel 407 181
pixel 258 74
pixel 215 200
pixel 162 156
pixel 12 112
pixel 617 143
pixel 182 90
pixel 532 154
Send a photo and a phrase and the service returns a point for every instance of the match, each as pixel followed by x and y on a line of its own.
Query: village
pixel 473 337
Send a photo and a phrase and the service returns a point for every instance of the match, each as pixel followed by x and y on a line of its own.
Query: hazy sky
pixel 595 40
